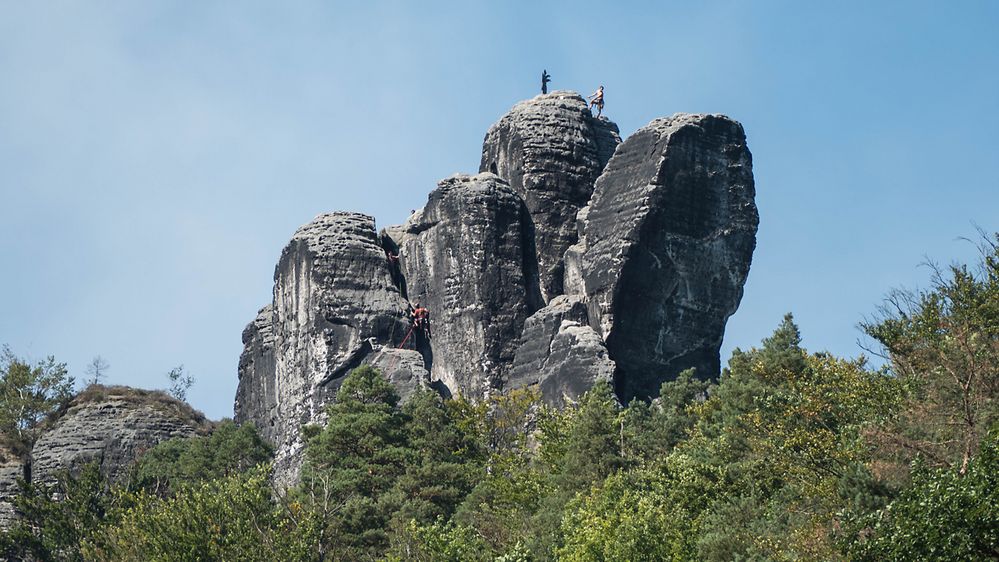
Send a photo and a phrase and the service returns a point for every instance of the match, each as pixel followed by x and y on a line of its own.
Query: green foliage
pixel 191 461
pixel 28 395
pixel 180 382
pixel 944 344
pixel 943 515
pixel 650 513
pixel 352 464
pixel 442 541
pixel 232 518
pixel 376 468
pixel 57 518
pixel 447 461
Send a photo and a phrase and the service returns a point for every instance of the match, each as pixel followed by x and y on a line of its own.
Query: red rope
pixel 409 333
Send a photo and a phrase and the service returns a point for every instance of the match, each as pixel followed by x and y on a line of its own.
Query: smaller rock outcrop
pixel 468 256
pixel 560 353
pixel 111 426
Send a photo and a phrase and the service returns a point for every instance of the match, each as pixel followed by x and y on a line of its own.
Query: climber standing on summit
pixel 597 99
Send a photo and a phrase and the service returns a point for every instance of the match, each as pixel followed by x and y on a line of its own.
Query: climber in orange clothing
pixel 421 319
pixel 597 99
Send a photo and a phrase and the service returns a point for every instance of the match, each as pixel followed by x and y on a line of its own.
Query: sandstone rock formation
pixel 666 246
pixel 334 301
pixel 560 353
pixel 551 150
pixel 468 256
pixel 111 426
pixel 11 468
pixel 571 258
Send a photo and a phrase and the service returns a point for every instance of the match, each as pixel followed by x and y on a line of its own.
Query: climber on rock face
pixel 421 319
pixel 597 99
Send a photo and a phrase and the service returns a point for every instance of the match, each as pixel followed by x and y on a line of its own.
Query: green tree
pixel 944 344
pixel 448 460
pixel 56 518
pixel 28 395
pixel 651 431
pixel 649 513
pixel 180 382
pixel 191 461
pixel 352 464
pixel 231 518
pixel 946 514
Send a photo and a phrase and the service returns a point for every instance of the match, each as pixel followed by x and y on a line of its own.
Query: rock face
pixel 11 468
pixel 111 426
pixel 551 150
pixel 666 246
pixel 468 256
pixel 334 301
pixel 560 353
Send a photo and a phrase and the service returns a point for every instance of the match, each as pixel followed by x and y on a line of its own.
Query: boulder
pixel 468 256
pixel 551 150
pixel 334 299
pixel 403 368
pixel 666 246
pixel 560 353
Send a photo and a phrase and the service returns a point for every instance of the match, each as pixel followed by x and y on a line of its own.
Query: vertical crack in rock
pixel 667 242
pixel 468 257
pixel 551 150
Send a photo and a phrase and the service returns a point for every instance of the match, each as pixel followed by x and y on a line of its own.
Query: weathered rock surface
pixel 11 468
pixel 334 297
pixel 560 353
pixel 403 368
pixel 666 246
pixel 468 256
pixel 551 150
pixel 111 426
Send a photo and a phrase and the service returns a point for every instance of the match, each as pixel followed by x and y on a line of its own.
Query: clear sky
pixel 156 156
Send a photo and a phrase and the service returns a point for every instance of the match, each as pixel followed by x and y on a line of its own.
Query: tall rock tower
pixel 571 259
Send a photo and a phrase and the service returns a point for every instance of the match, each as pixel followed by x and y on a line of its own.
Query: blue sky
pixel 156 156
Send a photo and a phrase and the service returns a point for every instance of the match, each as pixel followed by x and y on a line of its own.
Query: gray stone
pixel 468 256
pixel 560 353
pixel 551 150
pixel 403 368
pixel 334 294
pixel 667 243
pixel 111 426
pixel 11 469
